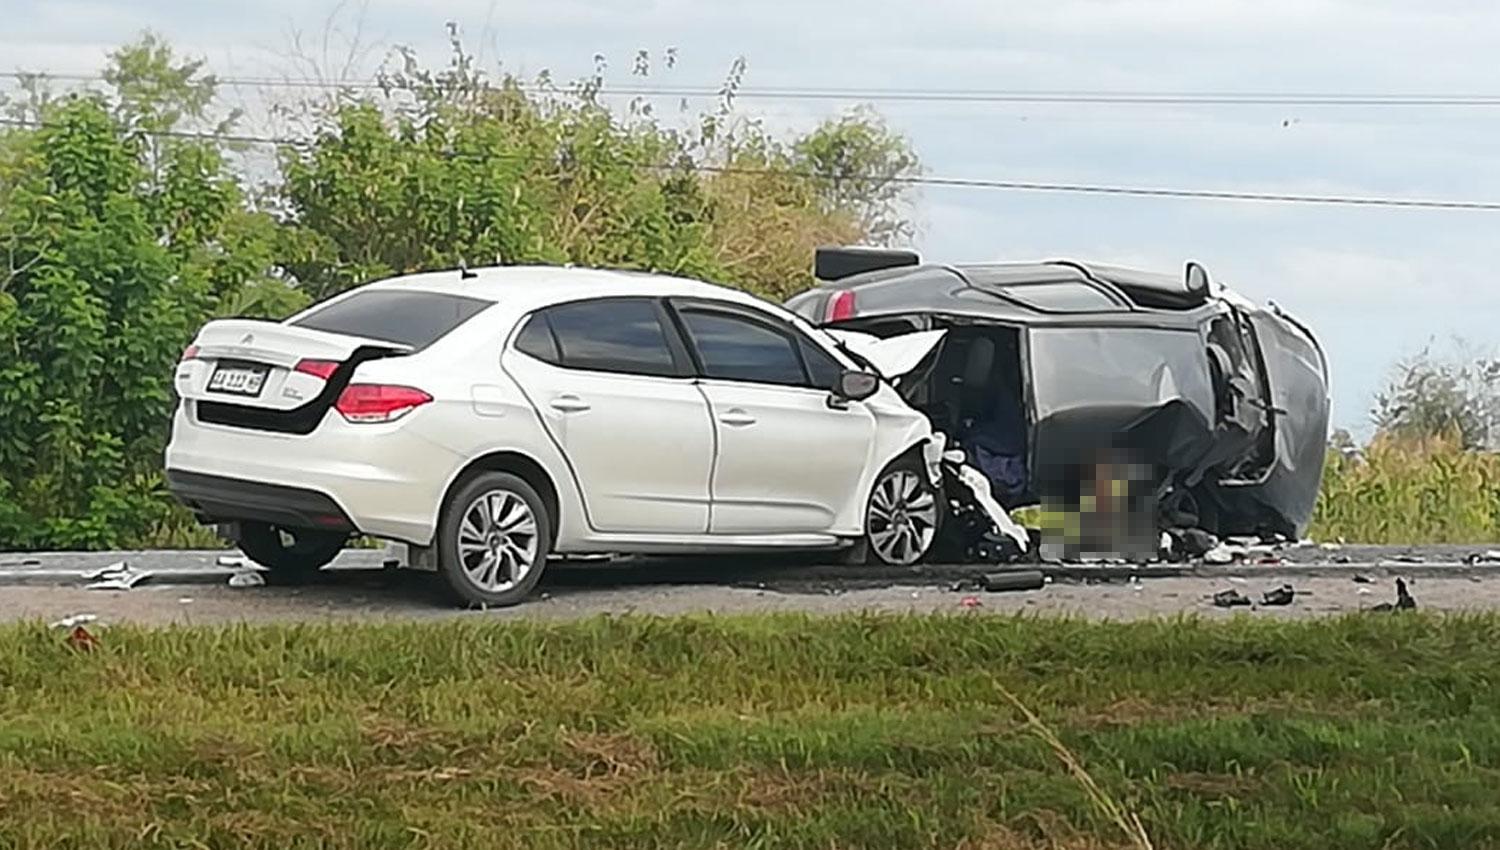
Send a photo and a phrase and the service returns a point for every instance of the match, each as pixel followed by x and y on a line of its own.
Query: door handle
pixel 736 416
pixel 569 404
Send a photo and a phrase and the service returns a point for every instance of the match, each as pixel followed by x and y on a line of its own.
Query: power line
pixel 941 182
pixel 972 96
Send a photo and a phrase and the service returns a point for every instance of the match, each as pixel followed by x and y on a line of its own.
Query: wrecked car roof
pixel 1049 292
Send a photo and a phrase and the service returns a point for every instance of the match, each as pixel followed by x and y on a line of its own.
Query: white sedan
pixel 492 418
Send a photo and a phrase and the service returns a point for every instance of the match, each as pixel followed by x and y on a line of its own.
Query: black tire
pixel 291 555
pixel 875 544
pixel 457 563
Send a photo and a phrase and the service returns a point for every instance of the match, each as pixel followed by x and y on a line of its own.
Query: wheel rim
pixel 903 518
pixel 497 541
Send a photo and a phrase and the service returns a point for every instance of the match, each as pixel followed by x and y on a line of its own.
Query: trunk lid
pixel 253 363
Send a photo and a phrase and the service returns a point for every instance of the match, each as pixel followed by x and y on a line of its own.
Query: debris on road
pixel 1490 557
pixel 1362 579
pixel 1407 558
pixel 118 576
pixel 1013 580
pixel 24 562
pixel 1404 600
pixel 1280 596
pixel 73 621
pixel 247 578
pixel 1231 598
pixel 233 561
pixel 970 602
pixel 1223 553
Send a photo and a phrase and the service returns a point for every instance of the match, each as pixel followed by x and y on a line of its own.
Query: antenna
pixel 464 273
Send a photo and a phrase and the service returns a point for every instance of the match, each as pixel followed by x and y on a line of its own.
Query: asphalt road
pixel 192 588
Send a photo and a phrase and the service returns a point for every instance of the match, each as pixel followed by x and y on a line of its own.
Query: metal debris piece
pixel 247 578
pixel 1279 596
pixel 233 561
pixel 106 572
pixel 1407 558
pixel 970 602
pixel 1231 598
pixel 1362 579
pixel 1223 554
pixel 1490 557
pixel 1012 580
pixel 73 620
pixel 110 578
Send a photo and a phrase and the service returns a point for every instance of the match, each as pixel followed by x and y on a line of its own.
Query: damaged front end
pixel 1121 407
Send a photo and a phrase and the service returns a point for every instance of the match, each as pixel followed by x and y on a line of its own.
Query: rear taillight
pixel 317 368
pixel 189 353
pixel 378 402
pixel 841 307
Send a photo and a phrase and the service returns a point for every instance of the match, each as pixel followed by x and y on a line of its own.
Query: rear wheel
pixel 493 540
pixel 901 520
pixel 290 554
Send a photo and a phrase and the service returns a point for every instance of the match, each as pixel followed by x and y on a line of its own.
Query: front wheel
pixel 290 554
pixel 901 520
pixel 493 540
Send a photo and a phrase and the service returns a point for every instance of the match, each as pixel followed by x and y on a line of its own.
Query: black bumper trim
pixel 215 498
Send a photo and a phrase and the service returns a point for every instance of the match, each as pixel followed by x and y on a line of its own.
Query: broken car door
pixel 788 460
pixel 612 382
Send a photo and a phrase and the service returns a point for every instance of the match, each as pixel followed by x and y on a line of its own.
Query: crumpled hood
pixel 893 356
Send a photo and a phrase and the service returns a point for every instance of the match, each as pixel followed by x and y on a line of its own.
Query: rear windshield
pixel 417 319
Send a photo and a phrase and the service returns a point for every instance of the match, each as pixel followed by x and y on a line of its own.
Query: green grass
pixel 856 731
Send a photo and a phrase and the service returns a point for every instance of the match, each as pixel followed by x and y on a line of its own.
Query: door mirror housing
pixel 1196 279
pixel 855 385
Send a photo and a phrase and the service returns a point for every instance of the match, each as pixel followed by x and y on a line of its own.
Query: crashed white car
pixel 492 418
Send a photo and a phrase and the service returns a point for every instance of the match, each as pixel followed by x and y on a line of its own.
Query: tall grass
pixel 1428 491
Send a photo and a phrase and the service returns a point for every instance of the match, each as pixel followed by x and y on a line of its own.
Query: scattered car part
pixel 247 578
pixel 1283 595
pixel 1404 600
pixel 73 620
pixel 119 576
pixel 1013 580
pixel 1231 598
pixel 1363 579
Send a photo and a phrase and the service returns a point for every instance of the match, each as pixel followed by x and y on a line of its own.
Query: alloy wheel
pixel 903 518
pixel 498 540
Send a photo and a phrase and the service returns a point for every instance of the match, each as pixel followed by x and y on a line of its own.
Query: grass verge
pixel 857 731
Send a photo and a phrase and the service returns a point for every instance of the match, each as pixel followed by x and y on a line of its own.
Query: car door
pixel 614 386
pixel 788 461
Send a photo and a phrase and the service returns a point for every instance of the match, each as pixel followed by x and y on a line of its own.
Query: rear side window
pixel 623 335
pixel 417 319
pixel 536 339
pixel 738 349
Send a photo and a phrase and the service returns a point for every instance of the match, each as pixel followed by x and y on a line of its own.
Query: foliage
pixel 1405 490
pixel 116 245
pixel 1429 396
pixel 124 225
pixel 1366 732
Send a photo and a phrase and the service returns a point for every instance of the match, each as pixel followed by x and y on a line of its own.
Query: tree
pixel 118 243
pixel 1429 396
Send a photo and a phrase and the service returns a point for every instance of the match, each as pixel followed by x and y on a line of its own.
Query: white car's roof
pixel 529 287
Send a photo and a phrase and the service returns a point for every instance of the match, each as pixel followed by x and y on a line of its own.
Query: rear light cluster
pixel 367 402
pixel 840 307
pixel 189 353
pixel 378 402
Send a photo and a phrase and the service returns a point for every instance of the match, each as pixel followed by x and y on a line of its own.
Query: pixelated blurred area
pixel 1102 506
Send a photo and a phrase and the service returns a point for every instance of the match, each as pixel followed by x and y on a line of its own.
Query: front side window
pixel 612 335
pixel 821 368
pixel 737 348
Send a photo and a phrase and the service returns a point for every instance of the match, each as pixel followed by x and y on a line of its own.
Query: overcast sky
pixel 1376 284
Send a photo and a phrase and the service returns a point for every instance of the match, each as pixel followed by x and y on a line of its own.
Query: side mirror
pixel 1196 278
pixel 856 386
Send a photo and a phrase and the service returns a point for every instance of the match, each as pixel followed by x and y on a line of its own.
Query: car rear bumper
pixel 219 498
pixel 382 480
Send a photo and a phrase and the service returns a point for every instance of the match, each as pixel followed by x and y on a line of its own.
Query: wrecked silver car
pixel 1058 379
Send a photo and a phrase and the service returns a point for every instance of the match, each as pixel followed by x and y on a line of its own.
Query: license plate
pixel 238 380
